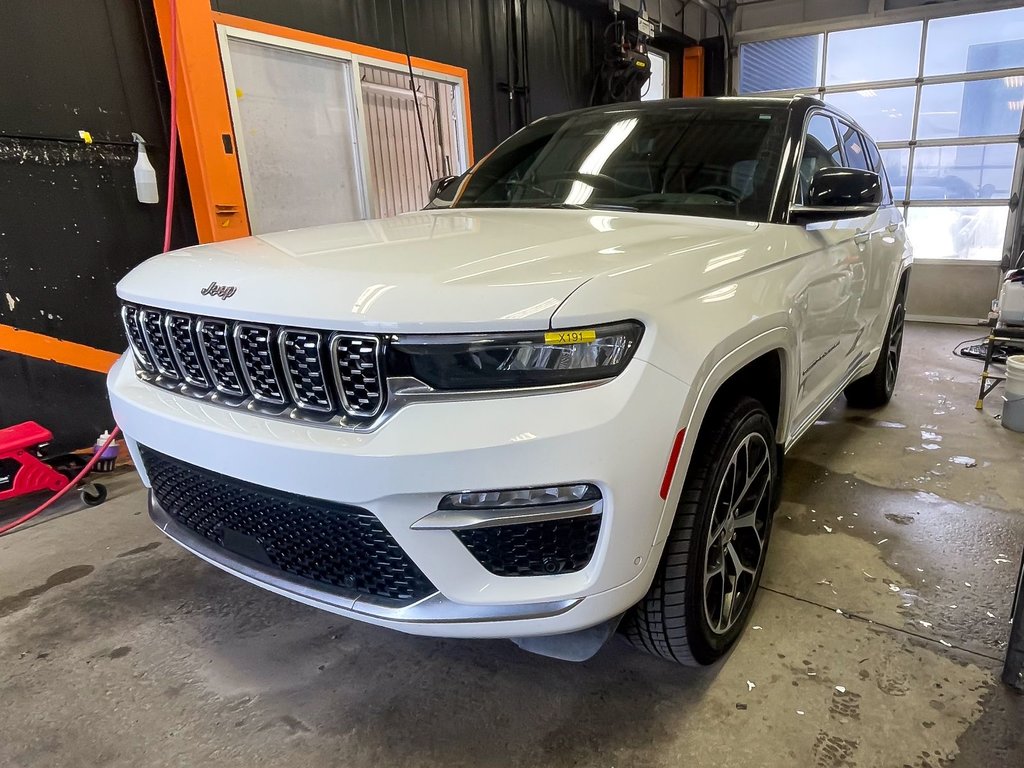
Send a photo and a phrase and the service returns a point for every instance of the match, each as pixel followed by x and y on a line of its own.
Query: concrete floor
pixel 876 641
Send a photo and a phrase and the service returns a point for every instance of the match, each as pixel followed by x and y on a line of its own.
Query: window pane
pixel 875 163
pixel 963 173
pixel 850 58
pixel 975 43
pixel 821 150
pixel 295 117
pixel 887 114
pixel 855 154
pixel 777 65
pixel 822 142
pixel 897 164
pixel 657 85
pixel 957 232
pixel 979 108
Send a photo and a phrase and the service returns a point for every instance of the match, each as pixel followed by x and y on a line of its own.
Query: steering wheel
pixel 729 194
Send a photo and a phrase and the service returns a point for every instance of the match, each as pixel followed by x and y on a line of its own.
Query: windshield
pixel 698 161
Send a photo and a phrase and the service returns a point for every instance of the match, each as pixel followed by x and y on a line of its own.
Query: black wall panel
pixel 70 223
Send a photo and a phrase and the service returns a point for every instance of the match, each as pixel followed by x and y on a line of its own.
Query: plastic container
pixel 1011 299
pixel 1013 400
pixel 109 458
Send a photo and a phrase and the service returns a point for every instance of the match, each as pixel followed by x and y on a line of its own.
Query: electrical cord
pixel 415 94
pixel 172 152
pixel 561 58
pixel 726 35
pixel 957 350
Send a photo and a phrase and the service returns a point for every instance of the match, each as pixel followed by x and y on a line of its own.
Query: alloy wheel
pixel 737 533
pixel 895 347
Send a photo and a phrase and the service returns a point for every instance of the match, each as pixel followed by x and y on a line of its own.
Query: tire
pixel 875 389
pixel 97 498
pixel 674 620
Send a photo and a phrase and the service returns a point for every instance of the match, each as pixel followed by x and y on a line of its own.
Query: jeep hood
pixel 431 271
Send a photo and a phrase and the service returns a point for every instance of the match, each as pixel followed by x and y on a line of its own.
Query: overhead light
pixel 867 93
pixel 1014 81
pixel 1015 106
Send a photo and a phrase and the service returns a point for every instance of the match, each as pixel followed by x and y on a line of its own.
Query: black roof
pixel 798 106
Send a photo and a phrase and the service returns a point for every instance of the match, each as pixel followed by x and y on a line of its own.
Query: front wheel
pixel 704 589
pixel 875 389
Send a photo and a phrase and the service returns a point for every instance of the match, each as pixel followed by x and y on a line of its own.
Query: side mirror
pixel 437 186
pixel 839 193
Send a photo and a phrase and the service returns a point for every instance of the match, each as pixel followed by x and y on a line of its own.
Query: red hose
pixel 63 491
pixel 172 154
pixel 172 157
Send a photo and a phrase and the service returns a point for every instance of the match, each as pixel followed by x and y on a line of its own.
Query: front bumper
pixel 616 436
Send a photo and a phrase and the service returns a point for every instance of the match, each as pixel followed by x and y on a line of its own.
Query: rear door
pixel 872 240
pixel 886 257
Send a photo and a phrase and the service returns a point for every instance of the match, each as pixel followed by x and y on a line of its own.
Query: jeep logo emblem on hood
pixel 223 291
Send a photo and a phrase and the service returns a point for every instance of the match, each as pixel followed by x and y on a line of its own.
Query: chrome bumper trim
pixel 467 519
pixel 433 609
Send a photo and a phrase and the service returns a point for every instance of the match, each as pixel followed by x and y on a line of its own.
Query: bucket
pixel 1013 400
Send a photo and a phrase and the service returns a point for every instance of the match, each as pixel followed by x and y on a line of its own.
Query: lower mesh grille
pixel 343 547
pixel 534 549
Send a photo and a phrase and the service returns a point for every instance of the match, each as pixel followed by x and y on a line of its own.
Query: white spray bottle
pixel 145 175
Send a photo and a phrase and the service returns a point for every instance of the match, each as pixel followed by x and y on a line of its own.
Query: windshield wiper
pixel 594 207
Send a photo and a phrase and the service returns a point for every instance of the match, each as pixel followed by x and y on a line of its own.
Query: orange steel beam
pixel 48 348
pixel 693 72
pixel 207 137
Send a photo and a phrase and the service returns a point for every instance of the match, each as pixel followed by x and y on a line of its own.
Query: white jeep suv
pixel 553 405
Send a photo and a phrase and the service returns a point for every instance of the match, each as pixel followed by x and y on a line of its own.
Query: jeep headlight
pixel 508 361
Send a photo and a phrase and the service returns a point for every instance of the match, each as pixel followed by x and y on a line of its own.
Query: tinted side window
pixel 821 150
pixel 856 157
pixel 876 165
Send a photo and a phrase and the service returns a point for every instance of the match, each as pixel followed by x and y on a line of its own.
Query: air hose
pixel 63 491
pixel 172 85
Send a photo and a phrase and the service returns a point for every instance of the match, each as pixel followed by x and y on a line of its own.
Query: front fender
pixel 713 373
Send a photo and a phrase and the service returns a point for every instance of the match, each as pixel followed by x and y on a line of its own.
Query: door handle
pixel 861 238
pixel 892 227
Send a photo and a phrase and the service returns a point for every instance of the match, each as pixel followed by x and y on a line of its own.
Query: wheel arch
pixel 763 367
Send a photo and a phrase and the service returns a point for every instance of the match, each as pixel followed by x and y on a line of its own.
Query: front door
pixel 834 256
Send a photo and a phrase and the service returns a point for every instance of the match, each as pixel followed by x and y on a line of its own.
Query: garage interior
pixel 881 634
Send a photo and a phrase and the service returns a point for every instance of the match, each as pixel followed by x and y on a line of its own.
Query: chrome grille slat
pixel 356 364
pixel 304 370
pixel 215 344
pixel 130 318
pixel 181 333
pixel 256 353
pixel 293 372
pixel 151 322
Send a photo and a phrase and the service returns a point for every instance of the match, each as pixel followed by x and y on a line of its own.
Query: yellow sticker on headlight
pixel 570 337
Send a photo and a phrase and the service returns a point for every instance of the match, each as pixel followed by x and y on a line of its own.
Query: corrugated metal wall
pixel 70 223
pixel 398 166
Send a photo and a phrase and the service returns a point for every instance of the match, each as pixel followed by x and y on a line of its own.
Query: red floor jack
pixel 23 469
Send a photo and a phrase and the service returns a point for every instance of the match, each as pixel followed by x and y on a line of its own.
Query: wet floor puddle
pixel 954 566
